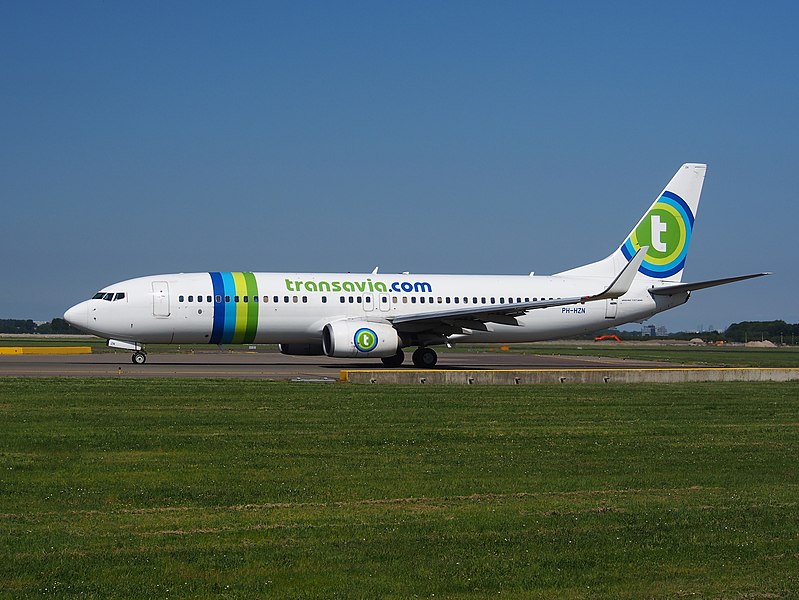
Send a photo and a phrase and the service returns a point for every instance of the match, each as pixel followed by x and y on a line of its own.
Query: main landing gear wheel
pixel 425 358
pixel 139 358
pixel 394 361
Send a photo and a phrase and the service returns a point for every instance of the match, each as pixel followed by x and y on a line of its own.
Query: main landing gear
pixel 139 358
pixel 425 358
pixel 394 361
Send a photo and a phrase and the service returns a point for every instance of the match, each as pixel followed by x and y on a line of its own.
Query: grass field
pixel 200 489
pixel 727 356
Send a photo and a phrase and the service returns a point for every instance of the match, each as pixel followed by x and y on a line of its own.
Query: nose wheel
pixel 425 358
pixel 139 358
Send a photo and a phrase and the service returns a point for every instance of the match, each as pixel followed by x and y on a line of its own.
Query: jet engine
pixel 359 339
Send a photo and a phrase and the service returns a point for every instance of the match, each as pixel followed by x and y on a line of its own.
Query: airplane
pixel 378 315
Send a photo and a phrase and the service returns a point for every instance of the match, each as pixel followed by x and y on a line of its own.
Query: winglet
pixel 623 280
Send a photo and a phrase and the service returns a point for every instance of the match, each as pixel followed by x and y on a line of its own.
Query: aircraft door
pixel 383 302
pixel 368 302
pixel 160 299
pixel 611 308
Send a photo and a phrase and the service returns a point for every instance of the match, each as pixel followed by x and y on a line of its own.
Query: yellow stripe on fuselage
pixel 242 308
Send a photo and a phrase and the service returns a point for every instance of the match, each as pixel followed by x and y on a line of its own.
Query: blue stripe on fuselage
pixel 219 308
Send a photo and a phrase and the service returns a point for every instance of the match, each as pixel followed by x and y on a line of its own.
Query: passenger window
pixel 465 300
pixel 305 299
pixel 191 298
pixel 180 298
pixel 235 298
pixel 324 299
pixel 457 300
pixel 527 299
pixel 358 299
pixel 208 299
pixel 447 299
pixel 275 299
pixel 440 299
pixel 368 299
pixel 286 299
pixel 255 299
pixel 474 300
pixel 493 301
pixel 518 299
pixel 394 299
pixel 227 298
pixel 384 299
pixel 405 299
pixel 246 298
pixel 294 299
pixel 502 300
pixel 413 299
pixel 342 299
pixel 483 299
pixel 421 299
pixel 351 299
pixel 218 299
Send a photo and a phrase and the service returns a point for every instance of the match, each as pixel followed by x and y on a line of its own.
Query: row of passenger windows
pixel 352 299
pixel 110 296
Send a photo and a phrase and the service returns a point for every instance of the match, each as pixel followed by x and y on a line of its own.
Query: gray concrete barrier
pixel 519 377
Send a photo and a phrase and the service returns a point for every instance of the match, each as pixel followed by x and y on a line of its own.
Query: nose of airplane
pixel 78 315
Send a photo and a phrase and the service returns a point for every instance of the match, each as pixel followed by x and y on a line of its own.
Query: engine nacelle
pixel 302 349
pixel 359 339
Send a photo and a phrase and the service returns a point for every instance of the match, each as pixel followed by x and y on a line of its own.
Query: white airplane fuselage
pixel 288 308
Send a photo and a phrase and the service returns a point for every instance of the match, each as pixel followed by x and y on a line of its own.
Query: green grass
pixel 733 356
pixel 200 489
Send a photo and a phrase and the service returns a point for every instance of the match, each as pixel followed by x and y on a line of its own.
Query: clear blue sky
pixel 469 137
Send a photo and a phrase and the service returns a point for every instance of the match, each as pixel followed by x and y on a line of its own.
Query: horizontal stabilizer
pixel 679 288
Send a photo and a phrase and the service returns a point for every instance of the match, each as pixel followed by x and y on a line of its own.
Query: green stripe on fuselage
pixel 252 313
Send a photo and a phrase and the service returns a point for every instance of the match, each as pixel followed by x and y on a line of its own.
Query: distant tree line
pixel 755 331
pixel 746 331
pixel 778 332
pixel 28 326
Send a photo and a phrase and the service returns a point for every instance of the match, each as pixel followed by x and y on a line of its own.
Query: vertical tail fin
pixel 665 228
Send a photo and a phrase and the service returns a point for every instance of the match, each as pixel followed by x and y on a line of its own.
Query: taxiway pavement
pixel 273 365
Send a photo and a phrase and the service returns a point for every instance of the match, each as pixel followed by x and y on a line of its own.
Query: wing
pixel 475 317
pixel 668 290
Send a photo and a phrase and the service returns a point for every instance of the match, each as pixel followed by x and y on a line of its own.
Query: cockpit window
pixel 98 296
pixel 119 296
pixel 109 296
